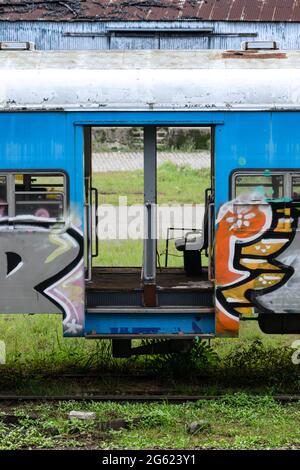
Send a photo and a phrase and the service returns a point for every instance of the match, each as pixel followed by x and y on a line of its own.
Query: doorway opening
pixel 148 205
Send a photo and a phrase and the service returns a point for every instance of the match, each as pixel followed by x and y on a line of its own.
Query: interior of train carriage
pixel 149 195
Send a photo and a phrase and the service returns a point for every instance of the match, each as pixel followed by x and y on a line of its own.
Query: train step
pixel 131 336
pixel 151 310
pixel 165 298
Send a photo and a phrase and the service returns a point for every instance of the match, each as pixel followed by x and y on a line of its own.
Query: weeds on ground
pixel 237 421
pixel 251 365
pixel 200 357
pixel 35 347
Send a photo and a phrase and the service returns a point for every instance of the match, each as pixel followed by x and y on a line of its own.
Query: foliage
pixel 236 421
pixel 256 363
pixel 199 357
pixel 131 139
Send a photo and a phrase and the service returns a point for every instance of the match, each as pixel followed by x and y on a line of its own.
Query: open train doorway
pixel 184 188
pixel 117 176
pixel 148 205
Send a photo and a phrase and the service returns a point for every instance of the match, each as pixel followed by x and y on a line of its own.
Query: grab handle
pixel 96 252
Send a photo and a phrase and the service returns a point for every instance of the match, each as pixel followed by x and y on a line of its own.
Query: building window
pixel 39 197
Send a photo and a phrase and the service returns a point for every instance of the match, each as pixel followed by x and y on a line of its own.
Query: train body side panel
pixel 257 237
pixel 51 278
pixel 48 275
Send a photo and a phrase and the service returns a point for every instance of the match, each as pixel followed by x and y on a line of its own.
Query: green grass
pixel 35 345
pixel 238 421
pixel 175 184
pixel 130 253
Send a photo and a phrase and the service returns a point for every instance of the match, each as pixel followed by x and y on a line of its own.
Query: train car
pixel 49 101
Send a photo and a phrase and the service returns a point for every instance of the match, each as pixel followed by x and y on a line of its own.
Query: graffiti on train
pixel 257 266
pixel 42 271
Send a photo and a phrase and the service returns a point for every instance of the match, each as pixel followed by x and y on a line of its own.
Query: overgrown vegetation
pixel 237 421
pixel 35 347
pixel 200 357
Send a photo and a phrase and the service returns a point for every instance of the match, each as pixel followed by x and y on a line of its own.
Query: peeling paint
pixel 155 80
pixel 253 55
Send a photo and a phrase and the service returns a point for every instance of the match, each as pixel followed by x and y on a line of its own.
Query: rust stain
pixel 150 10
pixel 253 55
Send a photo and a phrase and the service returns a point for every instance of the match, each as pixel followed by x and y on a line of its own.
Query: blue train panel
pixel 257 242
pixel 149 324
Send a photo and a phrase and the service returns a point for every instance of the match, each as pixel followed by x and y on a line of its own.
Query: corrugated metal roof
pixel 151 10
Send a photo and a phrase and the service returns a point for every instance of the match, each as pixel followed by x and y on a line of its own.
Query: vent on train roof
pixel 17 46
pixel 259 45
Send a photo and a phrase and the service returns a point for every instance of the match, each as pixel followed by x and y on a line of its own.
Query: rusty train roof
pixel 150 10
pixel 149 80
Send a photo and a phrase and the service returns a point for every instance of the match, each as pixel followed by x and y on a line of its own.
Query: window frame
pixel 287 175
pixel 11 194
pixel 5 203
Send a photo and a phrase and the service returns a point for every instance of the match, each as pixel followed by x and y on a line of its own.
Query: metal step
pixel 185 298
pixel 151 310
pixel 165 298
pixel 179 337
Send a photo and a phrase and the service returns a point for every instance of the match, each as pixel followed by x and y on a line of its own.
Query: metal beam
pixel 150 242
pixel 87 132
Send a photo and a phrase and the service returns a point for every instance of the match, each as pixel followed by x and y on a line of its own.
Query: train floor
pixel 126 279
pixel 123 286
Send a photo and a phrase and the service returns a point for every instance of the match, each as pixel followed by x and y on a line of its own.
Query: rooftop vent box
pixel 259 45
pixel 17 46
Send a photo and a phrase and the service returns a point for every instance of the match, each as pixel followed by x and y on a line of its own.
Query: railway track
pixel 96 375
pixel 131 398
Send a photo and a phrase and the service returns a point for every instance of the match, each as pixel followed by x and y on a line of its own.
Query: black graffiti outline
pixel 42 286
pixel 252 294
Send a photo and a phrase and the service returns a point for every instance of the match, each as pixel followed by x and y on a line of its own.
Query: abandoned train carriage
pixel 49 102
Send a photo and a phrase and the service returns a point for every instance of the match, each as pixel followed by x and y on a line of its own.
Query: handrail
pixel 96 253
pixel 211 273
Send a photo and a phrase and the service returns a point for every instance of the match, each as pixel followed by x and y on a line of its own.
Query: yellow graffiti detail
pixel 262 281
pixel 245 310
pixel 268 280
pixel 74 293
pixel 252 265
pixel 237 293
pixel 263 248
pixel 63 246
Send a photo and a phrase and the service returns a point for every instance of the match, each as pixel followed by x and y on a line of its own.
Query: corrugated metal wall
pixel 228 35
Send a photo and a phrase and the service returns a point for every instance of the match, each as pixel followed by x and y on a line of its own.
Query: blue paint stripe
pixel 116 323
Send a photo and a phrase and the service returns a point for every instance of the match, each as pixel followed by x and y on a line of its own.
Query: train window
pixel 40 195
pixel 296 187
pixel 3 197
pixel 271 184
